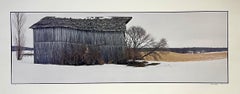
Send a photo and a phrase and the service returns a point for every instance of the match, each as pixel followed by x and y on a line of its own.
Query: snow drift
pixel 25 71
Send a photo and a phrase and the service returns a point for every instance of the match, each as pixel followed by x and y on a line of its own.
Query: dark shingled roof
pixel 93 23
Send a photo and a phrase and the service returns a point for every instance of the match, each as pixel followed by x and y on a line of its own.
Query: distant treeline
pixel 177 50
pixel 24 48
pixel 190 50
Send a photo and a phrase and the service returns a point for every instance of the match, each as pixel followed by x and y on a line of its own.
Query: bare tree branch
pixel 161 44
pixel 137 39
pixel 19 21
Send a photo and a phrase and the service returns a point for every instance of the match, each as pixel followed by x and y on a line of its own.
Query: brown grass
pixel 176 57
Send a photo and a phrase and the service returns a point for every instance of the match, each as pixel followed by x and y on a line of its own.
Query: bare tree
pixel 137 39
pixel 19 21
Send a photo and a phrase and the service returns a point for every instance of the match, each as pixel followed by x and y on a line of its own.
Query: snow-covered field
pixel 25 71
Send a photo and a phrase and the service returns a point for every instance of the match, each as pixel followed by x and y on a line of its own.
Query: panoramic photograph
pixel 119 47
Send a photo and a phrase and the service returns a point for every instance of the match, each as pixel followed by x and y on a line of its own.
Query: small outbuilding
pixel 54 37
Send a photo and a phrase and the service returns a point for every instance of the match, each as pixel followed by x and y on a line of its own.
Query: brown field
pixel 176 57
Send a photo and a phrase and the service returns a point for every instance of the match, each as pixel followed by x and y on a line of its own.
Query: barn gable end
pixel 55 36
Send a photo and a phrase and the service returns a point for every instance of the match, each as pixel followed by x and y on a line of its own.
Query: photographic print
pixel 119 47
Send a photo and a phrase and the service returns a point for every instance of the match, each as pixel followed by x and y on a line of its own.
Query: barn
pixel 65 40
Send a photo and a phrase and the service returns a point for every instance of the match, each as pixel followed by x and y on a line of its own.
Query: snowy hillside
pixel 198 71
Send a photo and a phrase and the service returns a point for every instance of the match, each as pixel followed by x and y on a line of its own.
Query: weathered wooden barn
pixel 55 36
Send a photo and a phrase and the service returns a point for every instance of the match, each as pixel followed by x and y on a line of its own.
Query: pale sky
pixel 181 29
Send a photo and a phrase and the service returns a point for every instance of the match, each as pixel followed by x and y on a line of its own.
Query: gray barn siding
pixel 50 42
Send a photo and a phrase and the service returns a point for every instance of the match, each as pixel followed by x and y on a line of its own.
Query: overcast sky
pixel 186 29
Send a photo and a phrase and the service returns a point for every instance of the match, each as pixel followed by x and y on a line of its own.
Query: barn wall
pixel 50 43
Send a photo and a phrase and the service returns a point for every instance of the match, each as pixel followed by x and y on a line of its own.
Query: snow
pixel 25 71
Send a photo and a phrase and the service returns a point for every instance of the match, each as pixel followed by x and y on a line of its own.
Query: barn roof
pixel 93 23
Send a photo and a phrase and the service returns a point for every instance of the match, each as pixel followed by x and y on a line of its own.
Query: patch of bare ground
pixel 177 57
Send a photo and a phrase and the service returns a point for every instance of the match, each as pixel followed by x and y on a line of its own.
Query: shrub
pixel 92 57
pixel 81 55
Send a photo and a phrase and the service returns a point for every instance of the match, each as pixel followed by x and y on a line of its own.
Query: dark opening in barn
pixel 77 41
